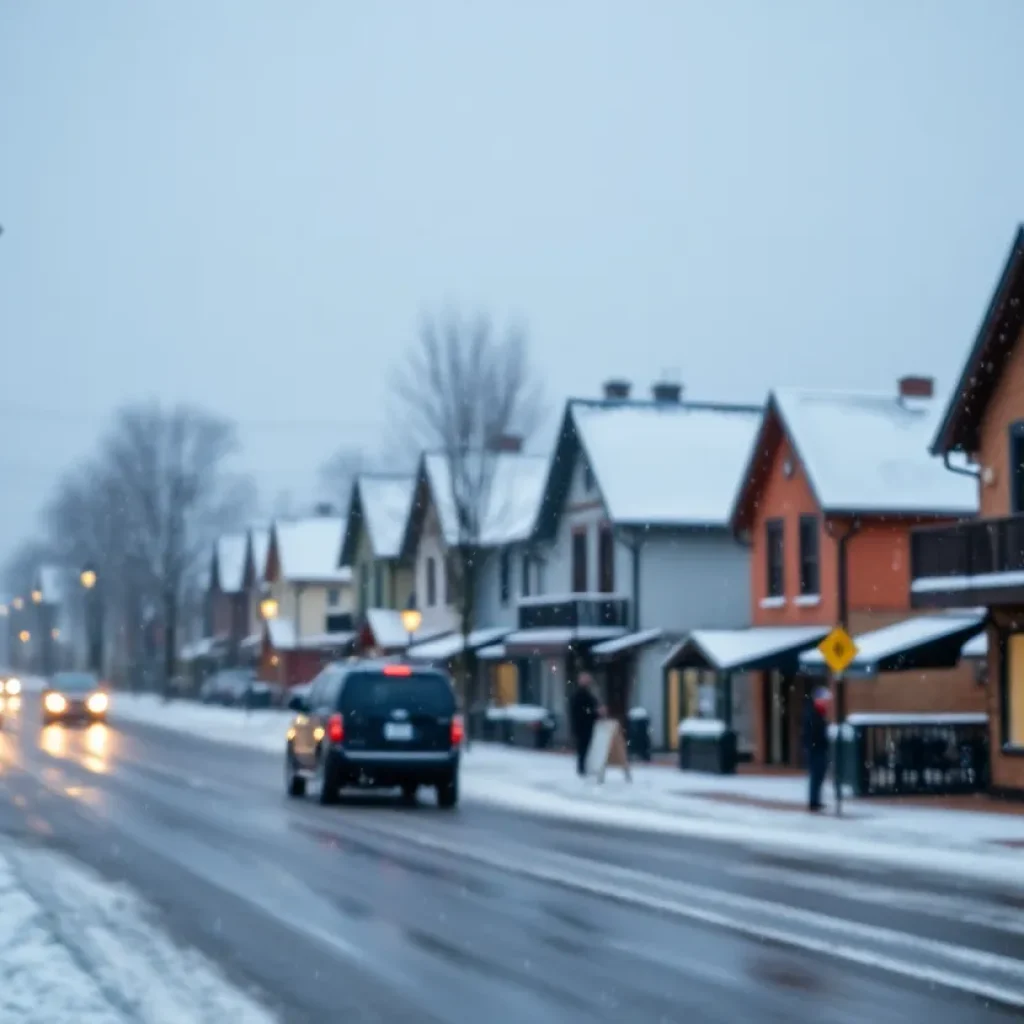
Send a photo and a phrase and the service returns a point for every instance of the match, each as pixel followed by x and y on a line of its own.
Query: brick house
pixel 828 464
pixel 982 562
pixel 227 600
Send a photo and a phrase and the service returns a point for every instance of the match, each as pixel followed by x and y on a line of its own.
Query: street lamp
pixel 88 578
pixel 412 617
pixel 94 617
pixel 24 636
pixel 37 596
pixel 268 608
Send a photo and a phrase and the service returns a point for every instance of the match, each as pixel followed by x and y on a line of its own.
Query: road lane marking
pixel 576 878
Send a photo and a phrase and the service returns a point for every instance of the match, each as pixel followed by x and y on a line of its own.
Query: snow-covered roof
pixel 282 636
pixel 259 540
pixel 386 626
pixel 628 642
pixel 901 638
pixel 667 463
pixel 513 497
pixel 976 647
pixel 230 553
pixel 736 649
pixel 869 452
pixel 445 647
pixel 386 502
pixel 555 637
pixel 308 549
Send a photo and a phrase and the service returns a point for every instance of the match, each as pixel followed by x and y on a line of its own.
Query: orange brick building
pixel 982 562
pixel 828 464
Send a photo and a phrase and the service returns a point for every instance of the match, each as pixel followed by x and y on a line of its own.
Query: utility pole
pixel 843 582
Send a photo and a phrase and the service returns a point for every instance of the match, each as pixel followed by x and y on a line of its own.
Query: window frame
pixel 524 577
pixel 578 566
pixel 1015 445
pixel 811 523
pixel 504 577
pixel 431 581
pixel 1007 745
pixel 775 529
pixel 605 559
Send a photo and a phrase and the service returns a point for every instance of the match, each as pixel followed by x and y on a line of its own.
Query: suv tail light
pixel 336 728
pixel 458 731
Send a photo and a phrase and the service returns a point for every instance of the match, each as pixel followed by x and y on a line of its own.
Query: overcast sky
pixel 249 204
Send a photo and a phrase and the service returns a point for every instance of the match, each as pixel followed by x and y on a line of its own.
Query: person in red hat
pixel 816 744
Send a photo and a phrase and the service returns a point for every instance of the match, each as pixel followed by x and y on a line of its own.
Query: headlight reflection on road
pixel 96 743
pixel 54 741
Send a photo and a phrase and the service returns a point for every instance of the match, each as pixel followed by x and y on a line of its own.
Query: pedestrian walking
pixel 816 745
pixel 583 712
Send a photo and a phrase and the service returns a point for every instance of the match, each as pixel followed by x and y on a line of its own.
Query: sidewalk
pixel 767 811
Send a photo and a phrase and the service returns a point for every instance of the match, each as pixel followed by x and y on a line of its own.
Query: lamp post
pixel 412 618
pixel 94 618
pixel 268 608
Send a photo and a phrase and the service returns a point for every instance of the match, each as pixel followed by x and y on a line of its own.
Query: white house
pixel 634 527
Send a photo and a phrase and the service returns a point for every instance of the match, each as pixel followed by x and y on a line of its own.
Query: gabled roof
pixel 513 499
pixel 380 504
pixel 259 546
pixel 863 452
pixel 659 464
pixel 228 572
pixel 307 549
pixel 994 343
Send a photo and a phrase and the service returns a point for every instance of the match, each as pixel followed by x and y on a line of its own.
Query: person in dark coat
pixel 816 745
pixel 584 711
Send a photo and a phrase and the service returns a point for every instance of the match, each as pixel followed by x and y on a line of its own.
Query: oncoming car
pixel 74 697
pixel 10 694
pixel 375 725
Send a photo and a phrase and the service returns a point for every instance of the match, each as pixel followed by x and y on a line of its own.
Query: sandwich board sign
pixel 607 749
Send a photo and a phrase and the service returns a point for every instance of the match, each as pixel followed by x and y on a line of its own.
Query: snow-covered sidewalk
pixel 748 809
pixel 74 947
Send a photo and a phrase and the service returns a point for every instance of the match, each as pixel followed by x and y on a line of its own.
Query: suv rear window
pixel 429 694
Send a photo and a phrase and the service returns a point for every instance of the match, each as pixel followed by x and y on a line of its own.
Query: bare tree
pixel 462 390
pixel 167 470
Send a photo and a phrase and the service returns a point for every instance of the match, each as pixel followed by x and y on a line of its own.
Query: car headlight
pixel 55 704
pixel 12 687
pixel 97 703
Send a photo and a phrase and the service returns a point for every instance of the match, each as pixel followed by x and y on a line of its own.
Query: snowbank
pixel 76 948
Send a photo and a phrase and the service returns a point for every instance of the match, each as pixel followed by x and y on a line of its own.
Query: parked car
pixel 74 697
pixel 227 687
pixel 378 725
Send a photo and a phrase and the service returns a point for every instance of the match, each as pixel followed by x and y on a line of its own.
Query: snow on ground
pixel 74 947
pixel 664 799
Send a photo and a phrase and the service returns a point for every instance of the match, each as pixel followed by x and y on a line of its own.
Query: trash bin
pixel 638 734
pixel 707 745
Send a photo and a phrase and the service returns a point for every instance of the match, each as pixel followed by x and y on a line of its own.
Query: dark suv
pixel 378 725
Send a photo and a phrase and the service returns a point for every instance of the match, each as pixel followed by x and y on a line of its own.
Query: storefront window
pixel 1013 700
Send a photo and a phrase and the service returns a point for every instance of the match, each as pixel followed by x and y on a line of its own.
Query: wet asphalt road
pixel 373 911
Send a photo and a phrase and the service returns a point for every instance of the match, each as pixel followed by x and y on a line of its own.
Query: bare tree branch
pixel 462 391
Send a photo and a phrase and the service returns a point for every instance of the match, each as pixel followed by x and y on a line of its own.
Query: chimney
pixel 512 443
pixel 916 387
pixel 617 388
pixel 324 509
pixel 667 391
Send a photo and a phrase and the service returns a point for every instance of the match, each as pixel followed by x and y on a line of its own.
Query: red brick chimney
pixel 617 388
pixel 916 387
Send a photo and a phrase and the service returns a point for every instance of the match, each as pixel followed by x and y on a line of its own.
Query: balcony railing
pixel 981 547
pixel 570 611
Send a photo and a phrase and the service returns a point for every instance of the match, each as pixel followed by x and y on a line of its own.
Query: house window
pixel 588 478
pixel 431 582
pixel 606 559
pixel 1012 651
pixel 378 585
pixel 524 583
pixel 1017 467
pixel 539 575
pixel 505 577
pixel 333 595
pixel 775 551
pixel 450 576
pixel 579 561
pixel 810 573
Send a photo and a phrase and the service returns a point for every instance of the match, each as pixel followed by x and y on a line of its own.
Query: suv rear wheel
pixel 294 784
pixel 448 793
pixel 327 784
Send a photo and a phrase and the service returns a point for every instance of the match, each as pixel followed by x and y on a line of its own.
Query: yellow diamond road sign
pixel 838 650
